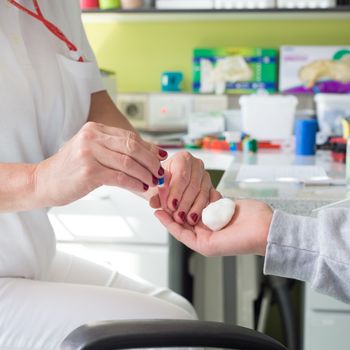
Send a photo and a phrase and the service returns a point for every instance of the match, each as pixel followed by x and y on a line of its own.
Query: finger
pixel 164 191
pixel 180 178
pixel 124 163
pixel 214 195
pixel 182 234
pixel 132 146
pixel 200 202
pixel 154 202
pixel 117 178
pixel 113 131
pixel 159 200
pixel 193 189
pixel 161 153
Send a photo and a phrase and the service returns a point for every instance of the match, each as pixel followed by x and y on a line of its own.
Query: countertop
pixel 294 198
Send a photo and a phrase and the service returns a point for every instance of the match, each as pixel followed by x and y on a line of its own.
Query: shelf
pixel 341 12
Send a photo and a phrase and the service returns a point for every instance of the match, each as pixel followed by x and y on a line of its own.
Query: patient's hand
pixel 245 234
pixel 187 191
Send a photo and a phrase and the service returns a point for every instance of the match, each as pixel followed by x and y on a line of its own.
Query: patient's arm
pixel 314 250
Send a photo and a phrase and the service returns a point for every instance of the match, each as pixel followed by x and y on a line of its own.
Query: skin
pixel 246 233
pixel 107 151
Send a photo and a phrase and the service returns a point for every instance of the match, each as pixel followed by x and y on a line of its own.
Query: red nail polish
pixel 154 180
pixel 182 216
pixel 163 153
pixel 175 203
pixel 161 171
pixel 145 187
pixel 194 217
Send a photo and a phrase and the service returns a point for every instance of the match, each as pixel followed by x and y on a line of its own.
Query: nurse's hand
pixel 245 234
pixel 98 155
pixel 187 189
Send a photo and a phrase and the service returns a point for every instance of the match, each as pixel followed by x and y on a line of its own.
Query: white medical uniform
pixel 44 101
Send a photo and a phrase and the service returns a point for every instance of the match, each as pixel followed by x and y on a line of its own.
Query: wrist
pixel 266 227
pixel 33 187
pixel 39 187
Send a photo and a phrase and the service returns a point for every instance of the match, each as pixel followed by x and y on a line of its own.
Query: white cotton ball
pixel 218 214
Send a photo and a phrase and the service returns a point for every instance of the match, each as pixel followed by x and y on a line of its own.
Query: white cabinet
pixel 117 228
pixel 326 322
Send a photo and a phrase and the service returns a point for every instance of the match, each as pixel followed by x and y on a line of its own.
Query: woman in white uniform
pixel 61 137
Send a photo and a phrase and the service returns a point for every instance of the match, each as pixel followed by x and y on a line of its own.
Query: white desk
pixel 294 198
pixel 325 319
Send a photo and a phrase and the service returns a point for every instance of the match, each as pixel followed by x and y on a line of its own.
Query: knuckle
pixel 131 143
pixel 89 126
pixel 88 171
pixel 187 156
pixel 184 175
pixel 126 161
pixel 121 178
pixel 183 155
pixel 86 135
pixel 84 153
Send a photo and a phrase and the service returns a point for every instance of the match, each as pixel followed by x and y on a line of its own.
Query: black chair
pixel 133 334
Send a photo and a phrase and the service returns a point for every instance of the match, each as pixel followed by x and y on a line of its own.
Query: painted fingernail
pixel 155 180
pixel 145 187
pixel 194 217
pixel 175 203
pixel 163 153
pixel 161 171
pixel 182 216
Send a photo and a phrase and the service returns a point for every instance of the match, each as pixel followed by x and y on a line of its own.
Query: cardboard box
pixel 314 69
pixel 234 70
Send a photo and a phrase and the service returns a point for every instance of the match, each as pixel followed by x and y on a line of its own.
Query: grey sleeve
pixel 314 250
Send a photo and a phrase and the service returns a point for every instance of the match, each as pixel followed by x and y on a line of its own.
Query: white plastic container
pixel 244 4
pixel 267 117
pixel 331 109
pixel 306 3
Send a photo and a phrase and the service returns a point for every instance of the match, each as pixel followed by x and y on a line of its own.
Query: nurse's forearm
pixel 103 110
pixel 17 187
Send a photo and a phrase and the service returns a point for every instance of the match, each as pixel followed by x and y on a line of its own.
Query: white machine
pixel 167 111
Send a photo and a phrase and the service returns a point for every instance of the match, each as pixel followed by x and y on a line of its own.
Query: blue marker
pixel 161 182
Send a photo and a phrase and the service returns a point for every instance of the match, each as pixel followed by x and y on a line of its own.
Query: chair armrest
pixel 132 334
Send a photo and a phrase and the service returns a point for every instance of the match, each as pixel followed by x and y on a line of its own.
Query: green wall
pixel 140 51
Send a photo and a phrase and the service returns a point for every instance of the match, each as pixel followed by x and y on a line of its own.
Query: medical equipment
pixel 218 214
pixel 161 182
pixel 50 26
pixel 167 111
